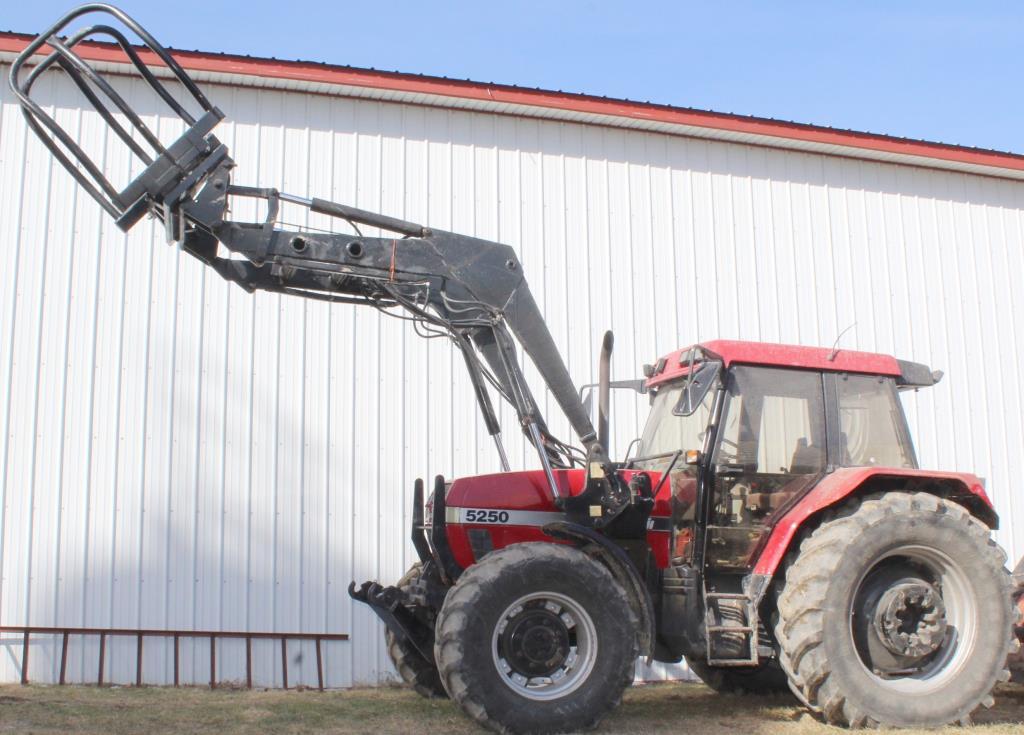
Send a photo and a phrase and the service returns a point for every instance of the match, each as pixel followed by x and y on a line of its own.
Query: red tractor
pixel 771 526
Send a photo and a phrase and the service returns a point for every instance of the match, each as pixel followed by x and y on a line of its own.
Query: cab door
pixel 770 449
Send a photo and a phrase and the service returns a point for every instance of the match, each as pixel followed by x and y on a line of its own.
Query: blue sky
pixel 946 71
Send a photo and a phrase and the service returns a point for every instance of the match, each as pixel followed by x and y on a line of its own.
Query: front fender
pixel 621 567
pixel 850 481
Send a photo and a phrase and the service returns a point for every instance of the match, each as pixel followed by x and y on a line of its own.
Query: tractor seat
pixel 807 460
pixel 765 503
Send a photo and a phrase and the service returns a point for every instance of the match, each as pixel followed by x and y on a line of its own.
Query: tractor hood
pixel 528 490
pixel 494 511
pixel 525 490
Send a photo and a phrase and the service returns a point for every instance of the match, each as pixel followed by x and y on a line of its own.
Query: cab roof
pixel 735 352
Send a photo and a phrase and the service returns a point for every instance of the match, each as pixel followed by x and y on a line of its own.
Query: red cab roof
pixel 732 352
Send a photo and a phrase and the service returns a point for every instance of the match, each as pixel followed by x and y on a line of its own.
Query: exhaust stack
pixel 604 370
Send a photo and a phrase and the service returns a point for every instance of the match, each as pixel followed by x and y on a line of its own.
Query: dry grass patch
pixel 663 708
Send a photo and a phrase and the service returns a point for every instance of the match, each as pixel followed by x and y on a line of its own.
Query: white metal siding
pixel 177 453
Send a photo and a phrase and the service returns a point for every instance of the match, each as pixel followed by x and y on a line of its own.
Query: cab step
pixel 730 621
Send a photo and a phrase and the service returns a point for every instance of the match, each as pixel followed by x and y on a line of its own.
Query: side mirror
pixel 639 385
pixel 696 388
pixel 587 389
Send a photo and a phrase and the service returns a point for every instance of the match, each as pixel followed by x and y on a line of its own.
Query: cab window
pixel 673 425
pixel 871 423
pixel 680 414
pixel 771 449
pixel 774 423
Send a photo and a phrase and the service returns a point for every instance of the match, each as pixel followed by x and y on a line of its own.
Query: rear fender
pixel 849 482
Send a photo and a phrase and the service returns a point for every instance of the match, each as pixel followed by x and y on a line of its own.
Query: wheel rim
pixel 544 646
pixel 913 619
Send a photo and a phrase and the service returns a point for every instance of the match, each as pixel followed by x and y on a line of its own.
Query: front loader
pixel 772 527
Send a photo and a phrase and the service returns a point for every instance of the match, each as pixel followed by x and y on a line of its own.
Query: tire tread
pixel 457 613
pixel 802 597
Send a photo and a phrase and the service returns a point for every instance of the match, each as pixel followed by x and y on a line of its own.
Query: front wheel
pixel 536 638
pixel 896 612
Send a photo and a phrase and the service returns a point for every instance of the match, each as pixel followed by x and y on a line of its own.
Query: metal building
pixel 178 454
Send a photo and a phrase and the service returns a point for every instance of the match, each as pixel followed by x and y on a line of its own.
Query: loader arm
pixel 468 289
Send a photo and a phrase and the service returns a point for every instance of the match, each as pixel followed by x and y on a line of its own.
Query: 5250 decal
pixel 475 515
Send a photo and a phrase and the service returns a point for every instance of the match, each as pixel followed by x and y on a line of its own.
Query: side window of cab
pixel 871 423
pixel 771 448
pixel 773 424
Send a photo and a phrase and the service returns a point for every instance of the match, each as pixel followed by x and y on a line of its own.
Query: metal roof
pixel 318 77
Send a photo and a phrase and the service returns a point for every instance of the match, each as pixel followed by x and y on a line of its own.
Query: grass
pixel 662 708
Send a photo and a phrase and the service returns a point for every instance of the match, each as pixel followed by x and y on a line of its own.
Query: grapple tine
pixel 167 165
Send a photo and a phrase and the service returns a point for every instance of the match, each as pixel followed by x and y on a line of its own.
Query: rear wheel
pixel 768 678
pixel 1016 660
pixel 896 612
pixel 415 670
pixel 537 638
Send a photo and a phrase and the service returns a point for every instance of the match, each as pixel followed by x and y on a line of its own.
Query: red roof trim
pixel 368 78
pixel 734 352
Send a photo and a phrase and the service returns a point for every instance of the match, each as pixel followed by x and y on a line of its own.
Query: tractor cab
pixel 753 427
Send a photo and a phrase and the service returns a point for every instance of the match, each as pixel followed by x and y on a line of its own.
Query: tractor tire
pixel 537 638
pixel 896 612
pixel 768 678
pixel 415 670
pixel 1016 660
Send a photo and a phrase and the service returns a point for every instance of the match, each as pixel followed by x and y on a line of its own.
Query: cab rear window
pixel 871 423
